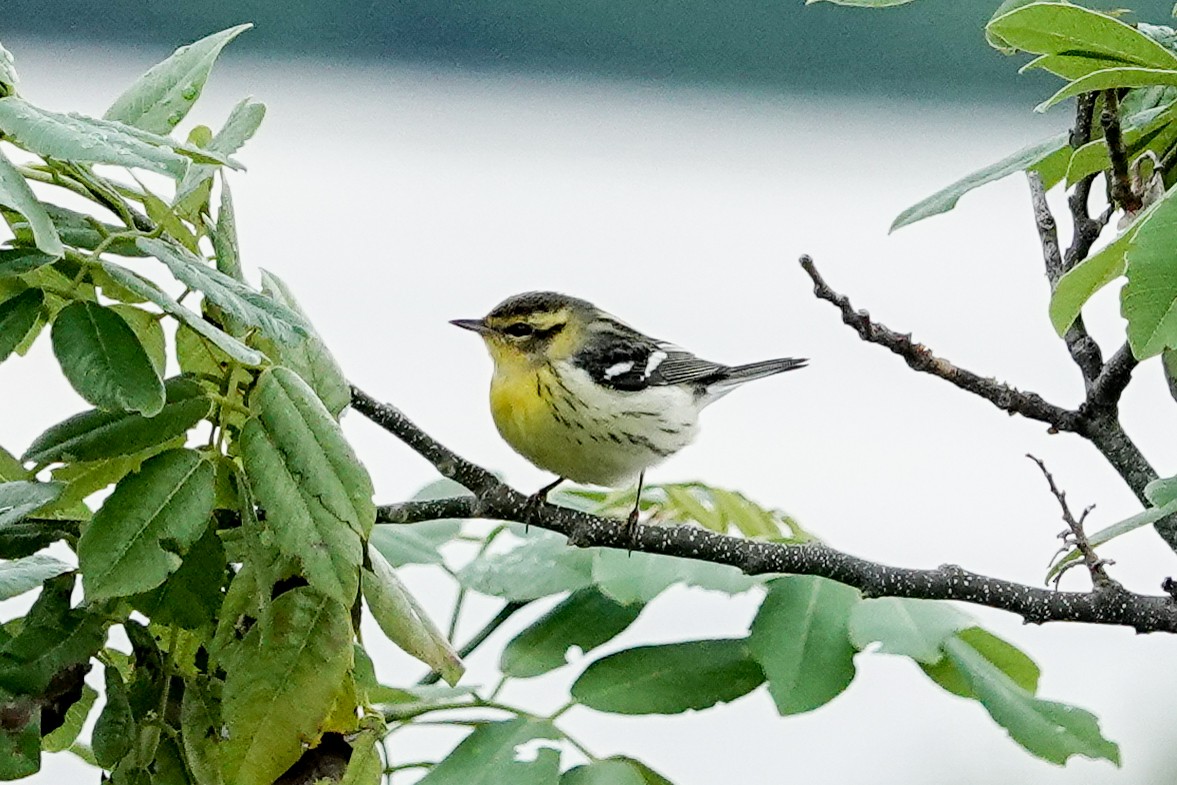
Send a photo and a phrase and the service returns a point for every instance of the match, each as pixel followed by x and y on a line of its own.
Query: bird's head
pixel 533 328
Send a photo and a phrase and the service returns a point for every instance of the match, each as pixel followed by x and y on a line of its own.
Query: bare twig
pixel 1075 537
pixel 1096 423
pixel 1113 379
pixel 495 500
pixel 1086 228
pixel 921 358
pixel 1119 181
pixel 1084 350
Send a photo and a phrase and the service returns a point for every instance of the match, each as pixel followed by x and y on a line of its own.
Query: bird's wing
pixel 638 362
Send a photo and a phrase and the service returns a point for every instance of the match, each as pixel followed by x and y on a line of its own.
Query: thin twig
pixel 1113 379
pixel 499 619
pixel 921 358
pixel 1119 181
pixel 1098 424
pixel 1084 350
pixel 495 500
pixel 1086 228
pixel 1075 536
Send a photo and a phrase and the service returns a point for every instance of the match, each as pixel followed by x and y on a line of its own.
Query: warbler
pixel 583 395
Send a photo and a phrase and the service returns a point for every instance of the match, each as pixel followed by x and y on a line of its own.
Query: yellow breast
pixel 522 409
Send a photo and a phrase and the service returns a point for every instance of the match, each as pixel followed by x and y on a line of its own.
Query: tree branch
pixel 1113 379
pixel 920 358
pixel 493 499
pixel 1096 423
pixel 1086 228
pixel 1082 347
pixel 1075 537
pixel 1119 180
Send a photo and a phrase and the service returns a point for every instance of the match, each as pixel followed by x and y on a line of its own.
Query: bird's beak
pixel 475 325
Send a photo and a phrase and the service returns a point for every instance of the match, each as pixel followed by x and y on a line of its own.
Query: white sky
pixel 394 199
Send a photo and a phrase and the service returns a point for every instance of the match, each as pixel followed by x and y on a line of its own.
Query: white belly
pixel 597 436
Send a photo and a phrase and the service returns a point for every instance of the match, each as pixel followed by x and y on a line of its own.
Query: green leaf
pixel 223 341
pixel 168 221
pixel 1052 731
pixel 162 97
pixel 488 757
pixel 716 509
pixel 16 194
pixel 87 477
pixel 910 628
pixel 200 357
pixel 1061 28
pixel 21 260
pixel 148 330
pixel 191 597
pixel 316 493
pixel 18 315
pixel 8 78
pixel 95 434
pixel 276 321
pixel 1002 655
pixel 22 575
pixel 200 732
pixel 649 776
pixel 1161 492
pixel 103 360
pixel 243 121
pixel 586 619
pixel 861 4
pixel 115 729
pixel 18 540
pixel 308 356
pixel 1131 523
pixel 640 577
pixel 669 679
pixel 153 517
pixel 1149 300
pixel 1152 129
pixel 543 565
pixel 76 229
pixel 604 772
pixel 85 140
pixel 1081 282
pixel 280 688
pixel 404 621
pixel 365 766
pixel 416 543
pixel 1111 78
pixel 21 497
pixel 53 637
pixel 800 638
pixel 75 717
pixel 1052 151
pixel 226 247
pixel 1072 65
pixel 20 738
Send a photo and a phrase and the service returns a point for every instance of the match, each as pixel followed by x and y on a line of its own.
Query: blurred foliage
pixel 925 49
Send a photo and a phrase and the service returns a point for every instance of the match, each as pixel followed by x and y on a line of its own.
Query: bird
pixel 581 394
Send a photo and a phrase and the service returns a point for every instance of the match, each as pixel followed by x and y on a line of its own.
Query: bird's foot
pixel 631 529
pixel 535 501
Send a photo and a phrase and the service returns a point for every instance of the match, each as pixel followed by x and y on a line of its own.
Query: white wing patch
pixel 655 359
pixel 619 368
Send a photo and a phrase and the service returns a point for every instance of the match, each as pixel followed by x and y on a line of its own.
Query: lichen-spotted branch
pixel 493 499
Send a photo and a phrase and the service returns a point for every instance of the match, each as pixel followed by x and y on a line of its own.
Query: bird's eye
pixel 519 329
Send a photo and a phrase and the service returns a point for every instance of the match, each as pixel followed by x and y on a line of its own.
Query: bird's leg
pixel 538 498
pixel 632 521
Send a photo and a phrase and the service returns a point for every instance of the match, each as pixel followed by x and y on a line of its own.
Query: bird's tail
pixel 739 374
